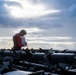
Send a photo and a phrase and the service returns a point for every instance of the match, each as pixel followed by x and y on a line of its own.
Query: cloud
pixel 12 12
pixel 6 32
pixel 72 11
pixel 6 42
pixel 3 10
pixel 42 42
pixel 52 42
pixel 30 30
pixel 60 4
pixel 49 23
pixel 28 9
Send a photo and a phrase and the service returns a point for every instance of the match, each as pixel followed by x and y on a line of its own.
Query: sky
pixel 49 23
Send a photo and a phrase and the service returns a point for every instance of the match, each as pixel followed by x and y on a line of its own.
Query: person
pixel 19 40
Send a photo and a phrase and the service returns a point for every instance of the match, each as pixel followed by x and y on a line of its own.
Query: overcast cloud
pixel 44 21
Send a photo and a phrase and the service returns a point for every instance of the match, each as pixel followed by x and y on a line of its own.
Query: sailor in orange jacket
pixel 17 40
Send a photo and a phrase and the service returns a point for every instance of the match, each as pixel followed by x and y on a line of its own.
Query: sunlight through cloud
pixel 29 9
